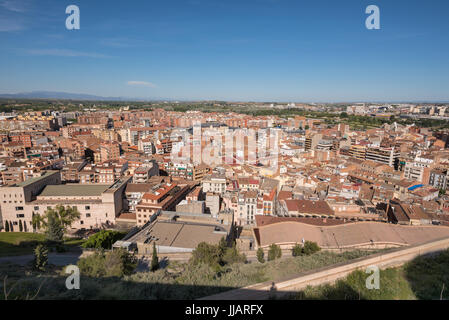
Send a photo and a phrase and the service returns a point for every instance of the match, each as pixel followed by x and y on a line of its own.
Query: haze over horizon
pixel 263 50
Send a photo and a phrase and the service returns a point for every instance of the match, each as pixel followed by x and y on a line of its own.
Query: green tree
pixel 154 259
pixel 260 255
pixel 274 252
pixel 310 248
pixel 115 263
pixel 54 230
pixel 232 255
pixel 6 226
pixel 206 253
pixel 55 222
pixel 20 226
pixel 222 247
pixel 297 250
pixel 216 255
pixel 278 252
pixel 103 239
pixel 40 257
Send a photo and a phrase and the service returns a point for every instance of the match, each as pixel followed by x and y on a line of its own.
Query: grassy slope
pixel 18 243
pixel 177 281
pixel 21 243
pixel 422 278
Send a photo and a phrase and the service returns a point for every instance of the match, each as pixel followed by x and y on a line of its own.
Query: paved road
pixel 59 259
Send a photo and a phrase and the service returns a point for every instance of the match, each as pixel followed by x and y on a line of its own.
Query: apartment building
pixel 247 207
pixel 419 169
pixel 215 183
pixel 166 197
pixel 388 156
pixel 143 173
pixel 357 151
pixel 312 141
pixel 439 178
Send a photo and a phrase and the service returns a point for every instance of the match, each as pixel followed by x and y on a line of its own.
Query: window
pixel 36 208
pixel 87 207
pixel 81 222
pixel 21 215
pixel 87 215
pixel 19 208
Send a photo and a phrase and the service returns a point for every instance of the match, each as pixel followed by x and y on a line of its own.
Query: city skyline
pixel 233 51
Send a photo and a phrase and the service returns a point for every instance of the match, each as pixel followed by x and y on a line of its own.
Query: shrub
pixel 6 226
pixel 207 254
pixel 103 239
pixel 310 248
pixel 119 263
pixel 116 263
pixel 274 252
pixel 40 257
pixel 216 255
pixel 260 255
pixel 297 250
pixel 232 255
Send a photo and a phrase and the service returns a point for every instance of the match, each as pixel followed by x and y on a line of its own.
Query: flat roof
pixel 32 180
pixel 74 190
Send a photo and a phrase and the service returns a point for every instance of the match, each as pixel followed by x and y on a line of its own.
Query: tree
pixel 297 250
pixel 222 246
pixel 55 222
pixel 274 252
pixel 103 239
pixel 278 252
pixel 310 248
pixel 54 230
pixel 206 253
pixel 20 226
pixel 232 255
pixel 154 259
pixel 216 255
pixel 6 226
pixel 115 263
pixel 40 257
pixel 260 255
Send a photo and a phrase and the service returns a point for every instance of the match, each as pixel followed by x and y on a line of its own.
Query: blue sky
pixel 260 50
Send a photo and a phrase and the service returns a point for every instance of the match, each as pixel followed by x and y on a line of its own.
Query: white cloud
pixel 65 53
pixel 15 5
pixel 141 84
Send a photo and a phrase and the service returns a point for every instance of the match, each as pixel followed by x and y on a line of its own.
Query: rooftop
pixel 73 190
pixel 35 179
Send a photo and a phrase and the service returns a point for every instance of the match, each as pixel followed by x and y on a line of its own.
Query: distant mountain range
pixel 68 96
pixel 90 97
